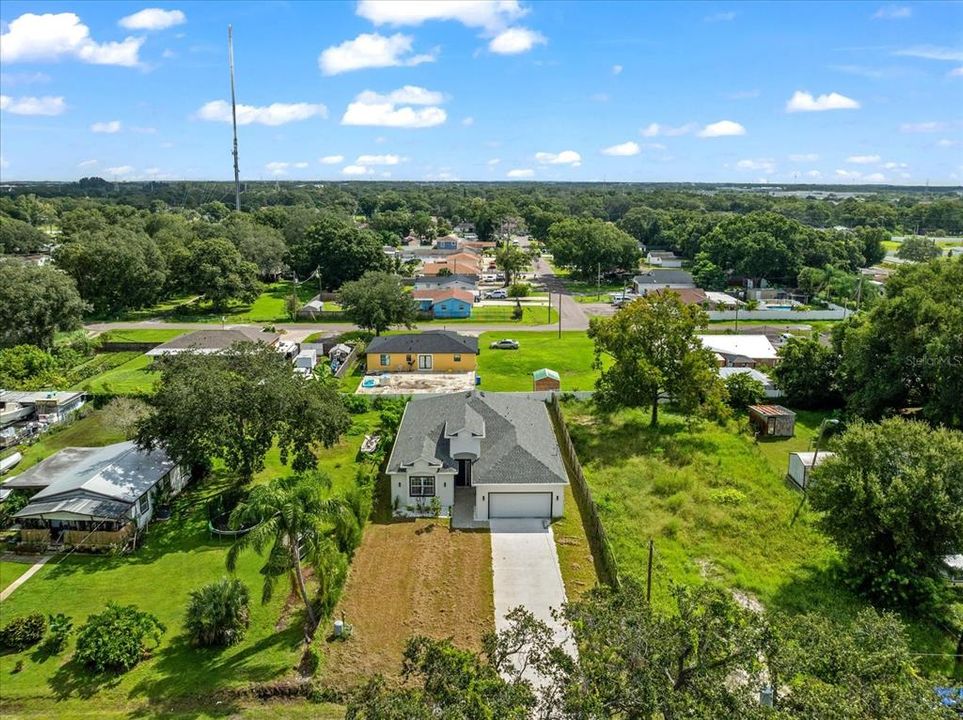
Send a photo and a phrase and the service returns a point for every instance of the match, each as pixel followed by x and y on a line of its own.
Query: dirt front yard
pixel 410 578
pixel 417 383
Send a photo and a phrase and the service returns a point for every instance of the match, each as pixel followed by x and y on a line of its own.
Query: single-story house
pixel 93 496
pixel 767 383
pixel 312 308
pixel 451 267
pixel 663 258
pixel 448 242
pixel 305 361
pixel 656 279
pixel 214 341
pixel 546 379
pixel 773 420
pixel 741 350
pixel 445 303
pixel 800 464
pixel 441 351
pixel 45 406
pixel 688 296
pixel 497 453
pixel 448 282
pixel 722 300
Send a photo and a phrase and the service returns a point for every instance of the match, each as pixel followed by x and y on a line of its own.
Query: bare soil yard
pixel 410 578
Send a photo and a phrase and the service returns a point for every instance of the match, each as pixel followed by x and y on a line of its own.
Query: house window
pixel 143 505
pixel 424 362
pixel 421 486
pixel 384 360
pixel 457 358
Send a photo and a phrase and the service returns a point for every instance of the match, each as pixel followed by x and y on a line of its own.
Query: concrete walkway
pixel 526 572
pixel 23 578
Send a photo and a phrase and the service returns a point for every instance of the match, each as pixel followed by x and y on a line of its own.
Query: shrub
pixel 24 631
pixel 355 404
pixel 60 628
pixel 519 290
pixel 117 638
pixel 218 613
pixel 517 311
pixel 743 391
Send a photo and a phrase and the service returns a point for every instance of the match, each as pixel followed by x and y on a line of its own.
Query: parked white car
pixel 500 294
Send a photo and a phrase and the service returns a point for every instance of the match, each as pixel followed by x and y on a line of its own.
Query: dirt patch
pixel 418 383
pixel 410 578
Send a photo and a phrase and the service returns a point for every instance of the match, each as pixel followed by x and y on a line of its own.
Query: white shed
pixel 800 463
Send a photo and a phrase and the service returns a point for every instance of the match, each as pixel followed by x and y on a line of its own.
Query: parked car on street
pixel 505 344
pixel 500 294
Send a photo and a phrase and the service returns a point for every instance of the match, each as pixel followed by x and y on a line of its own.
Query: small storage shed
pixel 800 463
pixel 546 379
pixel 773 420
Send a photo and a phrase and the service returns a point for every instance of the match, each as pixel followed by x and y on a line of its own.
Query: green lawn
pixel 141 335
pixel 134 377
pixel 511 370
pixel 10 571
pixel 531 315
pixel 718 508
pixel 179 555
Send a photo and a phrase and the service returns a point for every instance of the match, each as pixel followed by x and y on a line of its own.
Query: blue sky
pixel 703 92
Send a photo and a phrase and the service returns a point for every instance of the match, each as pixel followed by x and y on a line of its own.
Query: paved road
pixel 525 573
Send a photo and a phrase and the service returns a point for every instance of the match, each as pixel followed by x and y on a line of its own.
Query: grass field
pixel 10 571
pixel 574 555
pixel 511 370
pixel 134 377
pixel 718 508
pixel 531 315
pixel 141 335
pixel 95 429
pixel 179 555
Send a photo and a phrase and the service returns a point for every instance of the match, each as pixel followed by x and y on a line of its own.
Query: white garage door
pixel 520 505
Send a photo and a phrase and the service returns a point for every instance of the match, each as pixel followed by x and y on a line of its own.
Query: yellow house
pixel 440 351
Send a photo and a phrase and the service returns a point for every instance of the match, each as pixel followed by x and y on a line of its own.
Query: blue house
pixel 445 303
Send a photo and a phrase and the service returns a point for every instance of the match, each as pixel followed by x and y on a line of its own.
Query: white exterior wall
pixel 481 496
pixel 465 444
pixel 444 488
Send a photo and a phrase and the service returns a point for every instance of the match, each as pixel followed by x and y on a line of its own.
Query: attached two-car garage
pixel 520 505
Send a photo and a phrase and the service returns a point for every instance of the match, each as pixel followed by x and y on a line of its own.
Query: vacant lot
pixel 133 377
pixel 718 508
pixel 531 315
pixel 141 335
pixel 511 370
pixel 410 578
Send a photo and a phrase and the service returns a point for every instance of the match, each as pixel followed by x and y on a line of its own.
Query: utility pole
pixel 598 284
pixel 549 307
pixel 237 172
pixel 648 574
pixel 559 316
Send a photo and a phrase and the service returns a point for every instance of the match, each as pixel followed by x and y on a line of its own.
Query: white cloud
pixel 893 12
pixel 273 114
pixel 356 170
pixel 720 17
pixel 331 159
pixel 153 19
pixel 566 157
pixel 47 105
pixel 379 160
pixel 51 37
pixel 863 159
pixel 371 50
pixel 875 177
pixel 956 72
pixel 766 165
pixel 168 54
pixel 468 121
pixel 600 97
pixel 617 69
pixel 626 149
pixel 281 168
pixel 120 170
pixel 87 163
pixel 520 173
pixel 815 174
pixel 394 109
pixel 655 129
pixel 804 157
pixel 923 127
pixel 895 165
pixel 24 78
pixel 802 101
pixel 516 40
pixel 490 15
pixel 723 128
pixel 946 142
pixel 932 52
pixel 110 127
pixel 493 162
pixel 848 174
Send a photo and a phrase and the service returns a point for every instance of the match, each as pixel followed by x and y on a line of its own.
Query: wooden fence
pixel 605 564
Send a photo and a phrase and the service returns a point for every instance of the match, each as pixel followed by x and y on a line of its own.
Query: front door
pixel 463 476
pixel 424 362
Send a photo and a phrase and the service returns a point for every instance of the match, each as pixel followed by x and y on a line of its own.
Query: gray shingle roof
pixel 664 277
pixel 90 507
pixel 214 339
pixel 433 341
pixel 519 446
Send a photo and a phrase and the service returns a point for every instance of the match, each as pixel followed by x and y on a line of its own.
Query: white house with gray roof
pixel 493 454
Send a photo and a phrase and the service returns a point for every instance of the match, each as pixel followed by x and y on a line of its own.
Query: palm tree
pixel 292 517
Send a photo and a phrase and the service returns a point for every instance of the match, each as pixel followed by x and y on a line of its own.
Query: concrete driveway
pixel 526 572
